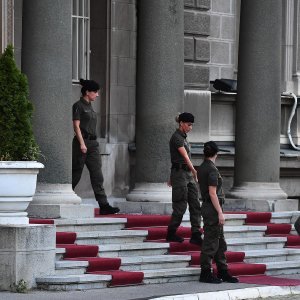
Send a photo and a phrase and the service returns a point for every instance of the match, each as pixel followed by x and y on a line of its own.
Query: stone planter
pixel 17 187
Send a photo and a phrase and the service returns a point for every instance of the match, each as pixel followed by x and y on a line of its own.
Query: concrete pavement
pixel 168 291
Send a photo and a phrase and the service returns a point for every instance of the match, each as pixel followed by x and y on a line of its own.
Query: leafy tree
pixel 16 135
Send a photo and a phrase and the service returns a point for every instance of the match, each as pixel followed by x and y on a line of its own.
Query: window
pixel 80 39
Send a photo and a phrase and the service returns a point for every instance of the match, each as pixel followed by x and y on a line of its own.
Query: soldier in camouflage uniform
pixel 85 145
pixel 183 180
pixel 214 244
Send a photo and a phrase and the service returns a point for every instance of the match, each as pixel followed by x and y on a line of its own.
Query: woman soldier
pixel 183 180
pixel 85 145
pixel 214 244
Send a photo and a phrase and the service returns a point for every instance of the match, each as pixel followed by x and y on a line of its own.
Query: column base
pixel 55 211
pixel 49 193
pixel 257 191
pixel 259 196
pixel 150 192
pixel 26 252
pixel 261 205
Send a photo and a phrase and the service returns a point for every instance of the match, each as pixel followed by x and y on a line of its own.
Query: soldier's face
pixel 92 95
pixel 187 126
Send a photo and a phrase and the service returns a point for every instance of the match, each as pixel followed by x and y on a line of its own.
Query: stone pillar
pixel 258 106
pixel 47 61
pixel 160 85
pixel 26 252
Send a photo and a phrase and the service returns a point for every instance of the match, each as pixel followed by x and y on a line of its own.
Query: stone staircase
pixel 153 257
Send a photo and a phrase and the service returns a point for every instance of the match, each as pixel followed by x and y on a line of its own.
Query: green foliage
pixel 20 287
pixel 16 136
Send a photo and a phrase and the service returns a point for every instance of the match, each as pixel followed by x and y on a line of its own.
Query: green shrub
pixel 16 135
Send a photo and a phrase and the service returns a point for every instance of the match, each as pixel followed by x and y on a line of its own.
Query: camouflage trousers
pixel 184 193
pixel 214 244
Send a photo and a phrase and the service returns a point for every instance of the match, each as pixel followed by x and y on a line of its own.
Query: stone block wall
pixel 123 71
pixel 223 38
pixel 196 44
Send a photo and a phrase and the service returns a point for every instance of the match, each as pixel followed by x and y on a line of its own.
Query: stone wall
pixel 223 39
pixel 196 44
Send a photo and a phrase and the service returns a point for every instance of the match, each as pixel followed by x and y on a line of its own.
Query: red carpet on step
pixel 183 247
pixel 231 257
pixel 292 240
pixel 120 278
pixel 140 220
pixel 97 264
pixel 73 251
pixel 253 216
pixel 65 237
pixel 269 280
pixel 258 217
pixel 238 269
pixel 41 221
pixel 160 233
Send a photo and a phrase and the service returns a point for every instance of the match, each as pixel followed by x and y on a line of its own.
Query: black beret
pixel 186 117
pixel 211 146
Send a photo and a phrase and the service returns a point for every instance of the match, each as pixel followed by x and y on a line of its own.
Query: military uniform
pixel 184 188
pixel 84 112
pixel 214 244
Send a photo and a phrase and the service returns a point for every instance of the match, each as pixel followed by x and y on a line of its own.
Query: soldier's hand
pixel 83 148
pixel 195 175
pixel 221 219
pixel 169 183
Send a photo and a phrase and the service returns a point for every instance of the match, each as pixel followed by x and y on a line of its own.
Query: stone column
pixel 160 85
pixel 47 61
pixel 258 106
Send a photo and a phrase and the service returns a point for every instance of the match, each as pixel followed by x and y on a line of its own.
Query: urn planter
pixel 17 187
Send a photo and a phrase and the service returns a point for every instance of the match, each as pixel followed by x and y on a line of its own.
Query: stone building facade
pixel 152 59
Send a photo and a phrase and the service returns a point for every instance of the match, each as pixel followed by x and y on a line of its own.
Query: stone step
pixel 133 249
pixel 272 255
pixel 171 275
pixel 283 267
pixel 142 263
pixel 111 237
pixel 122 250
pixel 242 244
pixel 136 263
pixel 70 267
pixel 89 224
pixel 288 217
pixel 230 220
pixel 73 282
pixel 244 231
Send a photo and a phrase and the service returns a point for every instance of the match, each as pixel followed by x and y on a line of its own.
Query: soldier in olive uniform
pixel 214 244
pixel 85 145
pixel 183 181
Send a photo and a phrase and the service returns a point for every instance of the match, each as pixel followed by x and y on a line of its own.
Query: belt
pixel 88 136
pixel 178 166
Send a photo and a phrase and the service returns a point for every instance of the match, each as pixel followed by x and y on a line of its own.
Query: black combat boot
pixel 173 237
pixel 196 238
pixel 226 277
pixel 208 277
pixel 108 210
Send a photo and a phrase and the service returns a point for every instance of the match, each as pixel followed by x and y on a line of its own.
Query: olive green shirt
pixel 84 112
pixel 178 140
pixel 209 175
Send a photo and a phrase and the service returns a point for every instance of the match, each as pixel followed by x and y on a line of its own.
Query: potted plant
pixel 18 149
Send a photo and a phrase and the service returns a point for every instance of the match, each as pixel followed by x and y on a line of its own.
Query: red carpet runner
pixel 97 265
pixel 157 231
pixel 269 280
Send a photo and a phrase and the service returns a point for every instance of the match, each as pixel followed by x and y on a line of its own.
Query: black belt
pixel 178 166
pixel 88 136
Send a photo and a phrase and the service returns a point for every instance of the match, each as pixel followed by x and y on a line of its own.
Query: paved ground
pixel 141 292
pixel 126 293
